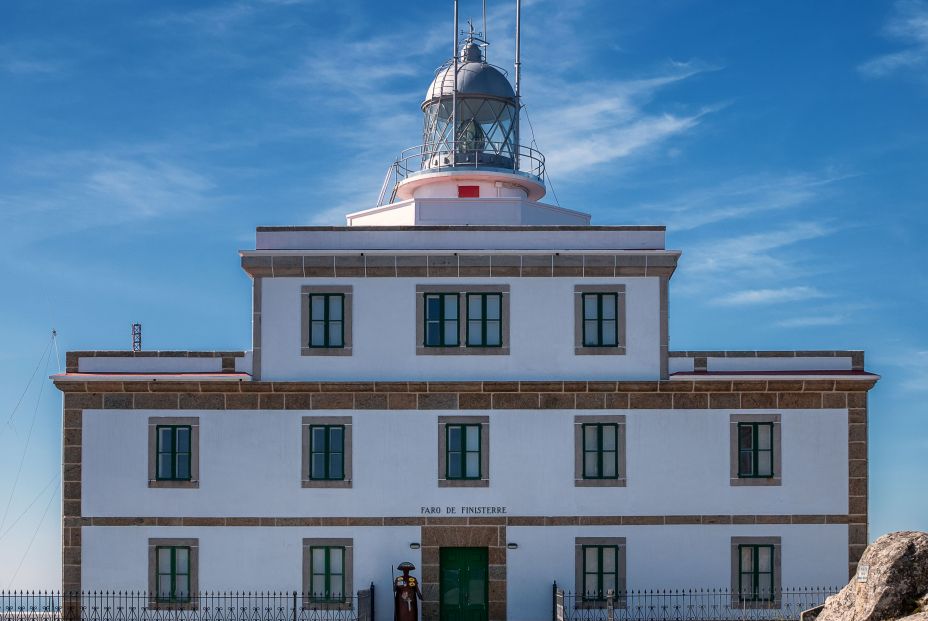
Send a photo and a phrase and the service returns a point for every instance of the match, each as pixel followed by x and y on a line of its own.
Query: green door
pixel 463 584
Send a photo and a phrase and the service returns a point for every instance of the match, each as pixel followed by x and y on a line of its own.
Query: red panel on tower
pixel 468 191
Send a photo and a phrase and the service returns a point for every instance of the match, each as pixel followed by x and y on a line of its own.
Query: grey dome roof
pixel 474 78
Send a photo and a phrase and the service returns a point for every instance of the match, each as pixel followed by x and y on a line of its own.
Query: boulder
pixel 897 579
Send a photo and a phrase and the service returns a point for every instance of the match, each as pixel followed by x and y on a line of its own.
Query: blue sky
pixel 782 143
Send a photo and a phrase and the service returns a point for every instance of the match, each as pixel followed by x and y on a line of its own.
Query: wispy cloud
pixel 755 254
pixel 16 61
pixel 812 321
pixel 581 133
pixel 80 190
pixel 769 296
pixel 907 26
pixel 738 199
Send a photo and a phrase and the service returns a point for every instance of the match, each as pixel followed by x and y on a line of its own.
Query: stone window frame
pixel 348 544
pixel 348 292
pixel 621 578
pixel 462 349
pixel 194 423
pixel 777 478
pixel 153 545
pixel 736 601
pixel 582 350
pixel 309 421
pixel 484 422
pixel 587 419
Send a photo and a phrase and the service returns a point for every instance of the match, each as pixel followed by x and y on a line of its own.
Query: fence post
pixel 294 606
pixel 372 601
pixel 554 601
pixel 610 605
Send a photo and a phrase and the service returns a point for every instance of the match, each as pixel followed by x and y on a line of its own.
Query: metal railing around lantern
pixel 462 156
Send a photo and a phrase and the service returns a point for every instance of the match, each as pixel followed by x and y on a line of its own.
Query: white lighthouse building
pixel 473 380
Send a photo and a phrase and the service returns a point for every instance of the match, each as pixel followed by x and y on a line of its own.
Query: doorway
pixel 463 584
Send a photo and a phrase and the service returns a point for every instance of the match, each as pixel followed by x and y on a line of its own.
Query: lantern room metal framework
pixel 471 120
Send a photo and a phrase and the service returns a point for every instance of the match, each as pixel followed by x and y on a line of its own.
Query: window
pixel 755 568
pixel 172 580
pixel 484 319
pixel 463 451
pixel 755 572
pixel 600 566
pixel 173 451
pixel 173 573
pixel 755 449
pixel 327 573
pixel 327 568
pixel 326 451
pixel 599 319
pixel 599 451
pixel 462 320
pixel 325 319
pixel 463 446
pixel 441 320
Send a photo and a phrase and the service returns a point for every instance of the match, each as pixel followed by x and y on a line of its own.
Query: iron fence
pixel 687 605
pixel 203 606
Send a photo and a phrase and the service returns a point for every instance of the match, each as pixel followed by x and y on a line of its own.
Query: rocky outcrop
pixel 897 579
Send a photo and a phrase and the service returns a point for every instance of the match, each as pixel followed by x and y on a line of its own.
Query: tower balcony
pixel 501 162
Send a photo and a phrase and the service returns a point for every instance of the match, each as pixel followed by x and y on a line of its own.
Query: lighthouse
pixel 477 383
pixel 471 148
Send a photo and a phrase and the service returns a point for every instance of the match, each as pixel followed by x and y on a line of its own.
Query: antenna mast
pixel 136 337
pixel 485 36
pixel 454 92
pixel 518 79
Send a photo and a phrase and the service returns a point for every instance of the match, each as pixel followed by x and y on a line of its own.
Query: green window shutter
pixel 172 573
pixel 600 319
pixel 484 320
pixel 600 450
pixel 600 571
pixel 174 452
pixel 326 320
pixel 327 452
pixel 327 574
pixel 755 572
pixel 441 320
pixel 755 450
pixel 463 452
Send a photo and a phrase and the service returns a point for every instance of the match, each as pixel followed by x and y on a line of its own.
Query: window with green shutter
pixel 173 573
pixel 463 452
pixel 327 452
pixel 755 572
pixel 755 450
pixel 484 320
pixel 600 570
pixel 327 574
pixel 441 320
pixel 173 453
pixel 326 320
pixel 600 451
pixel 600 320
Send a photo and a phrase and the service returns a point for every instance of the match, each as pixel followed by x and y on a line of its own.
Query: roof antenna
pixel 454 92
pixel 518 79
pixel 485 37
pixel 136 337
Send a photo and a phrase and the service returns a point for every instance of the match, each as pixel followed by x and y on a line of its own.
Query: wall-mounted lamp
pixel 512 546
pixel 414 545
